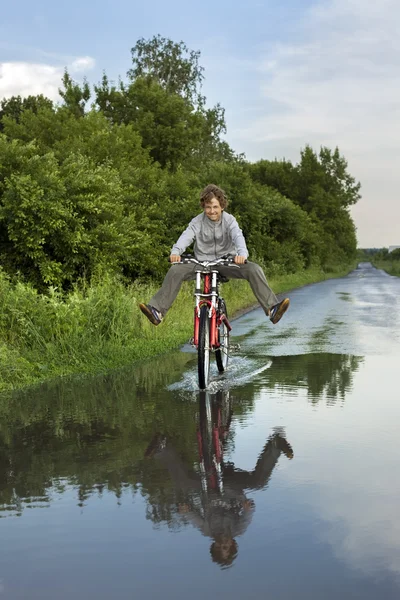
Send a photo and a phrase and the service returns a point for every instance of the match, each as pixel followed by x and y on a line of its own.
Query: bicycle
pixel 211 324
pixel 215 414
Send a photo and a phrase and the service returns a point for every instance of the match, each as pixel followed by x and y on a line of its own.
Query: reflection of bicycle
pixel 215 415
pixel 211 325
pixel 215 420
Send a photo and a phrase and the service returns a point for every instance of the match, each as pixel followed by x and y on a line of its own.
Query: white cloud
pixel 338 85
pixel 19 78
pixel 82 64
pixel 24 78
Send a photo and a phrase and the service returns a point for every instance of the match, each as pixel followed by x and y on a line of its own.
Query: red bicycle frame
pixel 210 444
pixel 208 296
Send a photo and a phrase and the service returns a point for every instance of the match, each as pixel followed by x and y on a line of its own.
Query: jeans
pixel 178 273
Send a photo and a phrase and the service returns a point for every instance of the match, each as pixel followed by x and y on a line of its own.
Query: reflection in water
pixel 91 435
pixel 211 494
pixel 84 433
pixel 93 458
pixel 325 376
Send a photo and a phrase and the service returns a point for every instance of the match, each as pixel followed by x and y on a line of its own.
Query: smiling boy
pixel 215 233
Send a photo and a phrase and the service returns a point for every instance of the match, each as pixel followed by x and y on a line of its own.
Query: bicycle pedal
pixel 191 341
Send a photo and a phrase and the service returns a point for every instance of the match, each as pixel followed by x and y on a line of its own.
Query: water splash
pixel 240 370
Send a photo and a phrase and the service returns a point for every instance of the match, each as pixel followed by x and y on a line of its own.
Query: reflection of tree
pixel 86 433
pixel 328 376
pixel 92 433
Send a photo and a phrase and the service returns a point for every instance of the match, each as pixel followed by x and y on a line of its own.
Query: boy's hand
pixel 175 258
pixel 239 260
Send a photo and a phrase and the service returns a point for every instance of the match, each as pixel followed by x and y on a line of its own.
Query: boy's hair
pixel 213 191
pixel 224 553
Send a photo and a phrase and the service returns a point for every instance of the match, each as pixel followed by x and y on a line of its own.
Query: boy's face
pixel 213 209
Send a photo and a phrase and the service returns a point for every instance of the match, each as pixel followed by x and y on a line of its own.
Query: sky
pixel 297 72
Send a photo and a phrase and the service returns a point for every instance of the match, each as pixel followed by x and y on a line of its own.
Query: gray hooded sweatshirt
pixel 212 239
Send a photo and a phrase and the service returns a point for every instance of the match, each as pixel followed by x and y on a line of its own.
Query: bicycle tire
pixel 222 354
pixel 203 349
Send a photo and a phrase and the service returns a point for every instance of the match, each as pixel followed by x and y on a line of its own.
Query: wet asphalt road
pixel 358 314
pixel 281 481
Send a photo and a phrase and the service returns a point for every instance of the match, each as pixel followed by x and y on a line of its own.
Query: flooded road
pixel 280 482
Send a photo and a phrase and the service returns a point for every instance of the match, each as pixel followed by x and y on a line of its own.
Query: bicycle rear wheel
pixel 222 354
pixel 203 350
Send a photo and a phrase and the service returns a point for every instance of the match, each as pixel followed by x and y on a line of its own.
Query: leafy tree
pixel 59 131
pixel 75 96
pixel 327 171
pixel 14 107
pixel 163 102
pixel 278 174
pixel 323 187
pixel 111 188
pixel 172 65
pixel 169 127
pixel 59 220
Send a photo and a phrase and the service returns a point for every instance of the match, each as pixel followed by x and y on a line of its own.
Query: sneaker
pixel 284 446
pixel 277 311
pixel 153 315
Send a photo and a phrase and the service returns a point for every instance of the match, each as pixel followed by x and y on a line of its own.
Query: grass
pixel 390 266
pixel 99 327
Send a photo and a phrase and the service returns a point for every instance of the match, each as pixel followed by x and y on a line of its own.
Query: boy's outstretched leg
pixel 254 274
pixel 160 303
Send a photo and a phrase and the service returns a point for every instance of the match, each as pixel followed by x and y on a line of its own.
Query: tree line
pixel 107 179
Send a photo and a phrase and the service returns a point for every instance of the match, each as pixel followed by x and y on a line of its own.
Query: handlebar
pixel 224 260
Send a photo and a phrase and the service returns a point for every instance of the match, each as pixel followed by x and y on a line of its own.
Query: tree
pixel 278 174
pixel 114 186
pixel 75 96
pixel 173 130
pixel 172 65
pixel 322 186
pixel 395 254
pixel 14 107
pixel 328 171
pixel 169 126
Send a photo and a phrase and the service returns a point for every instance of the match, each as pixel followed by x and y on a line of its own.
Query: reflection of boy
pixel 216 234
pixel 224 515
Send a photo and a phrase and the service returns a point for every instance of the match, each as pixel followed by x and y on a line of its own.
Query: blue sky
pixel 288 74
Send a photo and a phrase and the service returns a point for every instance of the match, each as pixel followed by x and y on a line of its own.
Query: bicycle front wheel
pixel 222 354
pixel 203 350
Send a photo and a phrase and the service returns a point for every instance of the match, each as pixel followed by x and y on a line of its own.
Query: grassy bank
pixel 99 327
pixel 390 266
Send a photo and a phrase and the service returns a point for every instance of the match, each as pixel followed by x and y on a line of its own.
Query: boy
pixel 216 234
